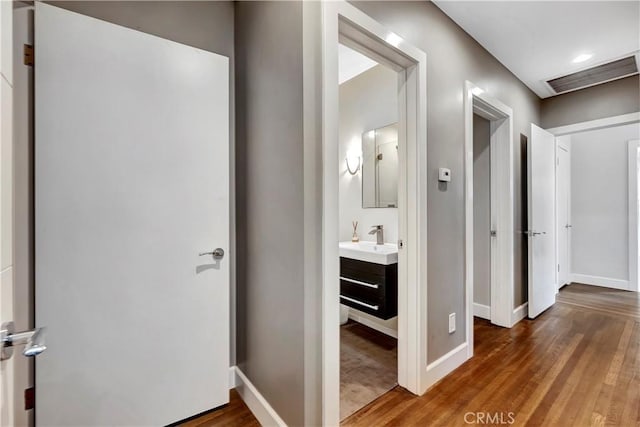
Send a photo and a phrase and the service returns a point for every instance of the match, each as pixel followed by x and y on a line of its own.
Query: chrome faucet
pixel 379 232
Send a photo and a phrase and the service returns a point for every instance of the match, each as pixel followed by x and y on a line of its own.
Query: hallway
pixel 577 364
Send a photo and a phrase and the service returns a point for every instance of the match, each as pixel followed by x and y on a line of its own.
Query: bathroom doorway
pixel 368 219
pixel 345 25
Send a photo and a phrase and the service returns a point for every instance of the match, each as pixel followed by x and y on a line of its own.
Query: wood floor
pixel 578 364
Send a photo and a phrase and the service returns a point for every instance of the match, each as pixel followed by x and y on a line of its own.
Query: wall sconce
pixel 353 162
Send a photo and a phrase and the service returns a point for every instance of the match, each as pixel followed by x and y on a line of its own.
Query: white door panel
pixel 541 239
pixel 132 182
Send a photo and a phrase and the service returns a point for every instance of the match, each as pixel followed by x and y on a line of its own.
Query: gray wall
pixel 270 202
pixel 367 101
pixel 453 57
pixel 597 102
pixel 600 201
pixel 481 210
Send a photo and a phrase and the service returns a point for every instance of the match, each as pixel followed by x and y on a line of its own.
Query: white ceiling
pixel 352 63
pixel 537 40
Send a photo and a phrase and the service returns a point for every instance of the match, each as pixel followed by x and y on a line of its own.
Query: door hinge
pixel 29 55
pixel 400 244
pixel 29 398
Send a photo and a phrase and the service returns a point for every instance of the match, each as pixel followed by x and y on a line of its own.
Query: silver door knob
pixel 33 341
pixel 217 253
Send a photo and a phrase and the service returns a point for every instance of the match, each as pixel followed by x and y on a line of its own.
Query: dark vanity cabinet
pixel 369 287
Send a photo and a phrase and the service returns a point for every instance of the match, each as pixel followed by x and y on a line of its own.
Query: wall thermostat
pixel 444 175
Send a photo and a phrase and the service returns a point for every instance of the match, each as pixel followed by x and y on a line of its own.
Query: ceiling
pixel 538 40
pixel 352 63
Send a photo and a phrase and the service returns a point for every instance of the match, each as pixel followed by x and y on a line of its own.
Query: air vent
pixel 595 75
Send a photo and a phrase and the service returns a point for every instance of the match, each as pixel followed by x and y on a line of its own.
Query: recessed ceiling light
pixel 582 58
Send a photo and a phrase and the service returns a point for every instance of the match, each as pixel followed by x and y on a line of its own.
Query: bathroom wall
pixel 597 102
pixel 367 101
pixel 453 57
pixel 481 211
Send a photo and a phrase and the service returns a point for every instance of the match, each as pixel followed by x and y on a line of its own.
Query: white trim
pixel 265 414
pixel 481 311
pixel 634 243
pixel 233 382
pixel 596 124
pixel 502 199
pixel 559 228
pixel 373 325
pixel 446 364
pixel 607 282
pixel 520 313
pixel 344 22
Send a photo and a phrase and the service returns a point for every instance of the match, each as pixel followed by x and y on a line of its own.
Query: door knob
pixel 33 341
pixel 217 253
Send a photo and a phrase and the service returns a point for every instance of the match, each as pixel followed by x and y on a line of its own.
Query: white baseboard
pixel 264 413
pixel 519 313
pixel 607 282
pixel 481 311
pixel 446 364
pixel 233 383
pixel 373 325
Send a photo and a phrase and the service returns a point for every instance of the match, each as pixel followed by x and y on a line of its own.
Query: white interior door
pixel 132 182
pixel 564 221
pixel 541 236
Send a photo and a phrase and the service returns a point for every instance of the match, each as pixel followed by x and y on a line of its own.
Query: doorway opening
pixel 489 202
pixel 597 171
pixel 346 25
pixel 368 215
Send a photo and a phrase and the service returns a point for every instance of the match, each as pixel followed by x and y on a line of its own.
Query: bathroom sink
pixel 370 252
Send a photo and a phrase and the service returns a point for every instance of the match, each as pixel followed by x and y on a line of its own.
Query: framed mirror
pixel 380 167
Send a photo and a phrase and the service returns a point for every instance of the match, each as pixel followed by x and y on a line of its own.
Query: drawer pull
pixel 358 282
pixel 372 307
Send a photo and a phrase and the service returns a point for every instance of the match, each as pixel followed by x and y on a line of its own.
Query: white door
pixel 541 236
pixel 132 182
pixel 564 221
pixel 7 312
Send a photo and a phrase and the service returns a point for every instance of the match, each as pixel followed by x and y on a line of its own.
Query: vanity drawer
pixel 369 287
pixel 364 271
pixel 360 292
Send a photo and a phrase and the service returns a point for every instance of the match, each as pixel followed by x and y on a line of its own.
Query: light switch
pixel 444 175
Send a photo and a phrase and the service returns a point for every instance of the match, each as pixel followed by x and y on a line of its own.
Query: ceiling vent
pixel 592 76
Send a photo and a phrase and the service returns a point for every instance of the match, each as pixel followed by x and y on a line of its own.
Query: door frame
pixel 344 23
pixel 634 194
pixel 607 122
pixel 500 116
pixel 565 147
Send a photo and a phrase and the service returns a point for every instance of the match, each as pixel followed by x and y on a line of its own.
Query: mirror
pixel 380 167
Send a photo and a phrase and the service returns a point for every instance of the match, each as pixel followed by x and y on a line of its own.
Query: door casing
pixel 344 23
pixel 500 116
